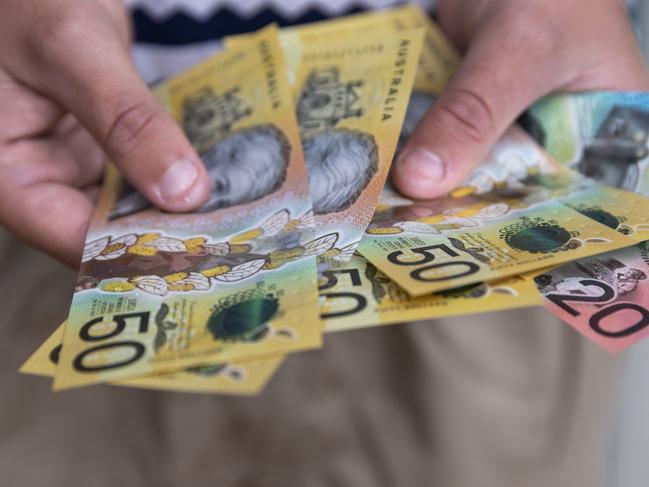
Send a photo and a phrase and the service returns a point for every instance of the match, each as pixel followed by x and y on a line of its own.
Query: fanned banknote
pixel 619 210
pixel 605 136
pixel 355 294
pixel 602 135
pixel 237 279
pixel 245 378
pixel 507 219
pixel 444 243
pixel 351 96
pixel 351 89
pixel 438 60
pixel 605 298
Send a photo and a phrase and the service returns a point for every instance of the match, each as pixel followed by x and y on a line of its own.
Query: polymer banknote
pixel 605 297
pixel 604 136
pixel 438 60
pixel 351 96
pixel 508 218
pixel 244 378
pixel 236 279
pixel 446 243
pixel 355 294
pixel 351 89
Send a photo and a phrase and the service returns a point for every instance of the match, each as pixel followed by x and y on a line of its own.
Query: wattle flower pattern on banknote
pixel 119 264
pixel 162 292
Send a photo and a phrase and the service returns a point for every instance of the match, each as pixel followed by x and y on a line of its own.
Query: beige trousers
pixel 503 399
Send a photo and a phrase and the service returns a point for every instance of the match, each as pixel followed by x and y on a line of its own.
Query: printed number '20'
pixel 120 321
pixel 427 254
pixel 595 321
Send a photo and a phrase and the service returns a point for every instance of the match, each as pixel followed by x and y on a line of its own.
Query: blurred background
pixel 630 430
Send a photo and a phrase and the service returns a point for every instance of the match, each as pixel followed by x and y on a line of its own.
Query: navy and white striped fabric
pixel 172 35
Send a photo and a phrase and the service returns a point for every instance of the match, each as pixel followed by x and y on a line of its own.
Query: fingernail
pixel 422 166
pixel 176 181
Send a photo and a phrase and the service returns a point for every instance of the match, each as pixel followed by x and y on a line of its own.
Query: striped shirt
pixel 171 35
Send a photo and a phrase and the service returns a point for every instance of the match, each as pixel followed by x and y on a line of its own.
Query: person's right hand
pixel 68 95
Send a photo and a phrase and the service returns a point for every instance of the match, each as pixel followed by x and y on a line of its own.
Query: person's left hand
pixel 516 52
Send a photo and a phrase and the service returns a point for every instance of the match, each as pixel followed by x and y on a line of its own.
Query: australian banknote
pixel 604 136
pixel 496 225
pixel 351 85
pixel 355 294
pixel 244 378
pixel 438 60
pixel 512 181
pixel 351 96
pixel 605 297
pixel 161 292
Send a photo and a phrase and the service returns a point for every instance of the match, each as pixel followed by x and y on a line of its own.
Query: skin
pixel 69 94
pixel 515 52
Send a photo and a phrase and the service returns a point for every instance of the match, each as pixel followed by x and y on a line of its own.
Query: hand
pixel 68 95
pixel 516 52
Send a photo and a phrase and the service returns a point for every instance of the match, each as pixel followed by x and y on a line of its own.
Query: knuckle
pixel 467 114
pixel 71 26
pixel 533 27
pixel 63 28
pixel 127 127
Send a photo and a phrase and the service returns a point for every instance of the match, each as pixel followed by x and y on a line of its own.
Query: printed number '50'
pixel 120 322
pixel 427 255
pixel 332 280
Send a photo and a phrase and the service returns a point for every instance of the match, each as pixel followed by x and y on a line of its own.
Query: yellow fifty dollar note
pixel 351 96
pixel 619 210
pixel 355 294
pixel 437 62
pixel 351 89
pixel 495 226
pixel 438 59
pixel 235 280
pixel 245 378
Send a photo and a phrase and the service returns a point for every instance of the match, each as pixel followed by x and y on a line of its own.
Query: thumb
pixel 90 73
pixel 493 86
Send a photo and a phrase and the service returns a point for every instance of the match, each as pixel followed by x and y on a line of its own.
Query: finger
pixel 58 217
pixel 92 192
pixel 83 149
pixel 90 73
pixel 23 112
pixel 38 198
pixel 495 83
pixel 52 158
